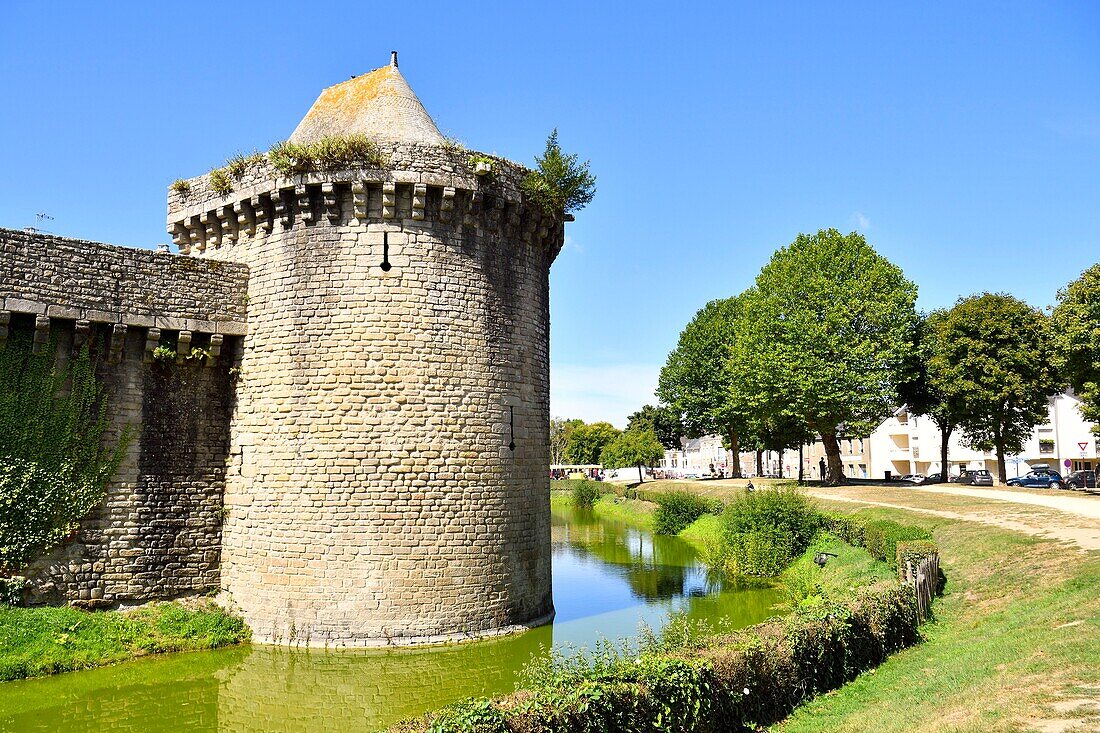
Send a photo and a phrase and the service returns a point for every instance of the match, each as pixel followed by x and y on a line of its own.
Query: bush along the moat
pixel 677 509
pixel 733 682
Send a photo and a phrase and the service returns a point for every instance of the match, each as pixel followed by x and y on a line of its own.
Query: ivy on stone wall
pixel 54 461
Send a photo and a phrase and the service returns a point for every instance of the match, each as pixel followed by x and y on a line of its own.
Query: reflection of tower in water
pixel 293 690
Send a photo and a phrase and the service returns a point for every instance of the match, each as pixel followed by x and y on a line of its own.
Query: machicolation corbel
pixel 81 334
pixel 447 204
pixel 359 201
pixel 282 211
pixel 215 348
pixel 118 341
pixel 183 346
pixel 305 210
pixel 41 333
pixel 419 201
pixel 152 341
pixel 330 202
pixel 389 200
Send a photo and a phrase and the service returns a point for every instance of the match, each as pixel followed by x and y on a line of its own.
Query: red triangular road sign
pixel 1083 446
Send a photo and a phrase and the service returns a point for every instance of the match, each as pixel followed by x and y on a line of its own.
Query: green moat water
pixel 608 577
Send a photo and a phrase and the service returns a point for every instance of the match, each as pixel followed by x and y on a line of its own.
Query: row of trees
pixel 576 443
pixel 828 341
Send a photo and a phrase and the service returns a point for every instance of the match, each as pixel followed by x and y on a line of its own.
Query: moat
pixel 608 578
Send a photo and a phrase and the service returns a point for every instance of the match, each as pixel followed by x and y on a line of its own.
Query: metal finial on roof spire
pixel 393 59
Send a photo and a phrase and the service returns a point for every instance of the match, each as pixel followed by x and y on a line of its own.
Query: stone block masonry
pixel 56 277
pixel 398 344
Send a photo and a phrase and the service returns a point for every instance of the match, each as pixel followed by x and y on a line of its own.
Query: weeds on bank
pixel 43 641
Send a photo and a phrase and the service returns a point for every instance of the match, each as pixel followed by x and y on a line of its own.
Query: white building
pixel 905 444
pixel 697 457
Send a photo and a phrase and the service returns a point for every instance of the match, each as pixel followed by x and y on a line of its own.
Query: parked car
pixel 1081 480
pixel 1038 479
pixel 932 478
pixel 913 478
pixel 979 477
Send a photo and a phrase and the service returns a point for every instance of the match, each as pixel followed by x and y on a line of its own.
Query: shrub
pixel 677 509
pixel 848 529
pixel 181 186
pixel 560 184
pixel 766 529
pixel 881 538
pixel 219 181
pixel 474 715
pixel 799 584
pixel 11 590
pixel 740 681
pixel 585 494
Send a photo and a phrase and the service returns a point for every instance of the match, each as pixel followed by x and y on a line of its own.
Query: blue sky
pixel 963 142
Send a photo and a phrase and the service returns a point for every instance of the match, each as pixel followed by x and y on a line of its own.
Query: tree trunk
pixel 945 438
pixel 781 464
pixel 999 445
pixel 834 475
pixel 641 480
pixel 801 466
pixel 759 462
pixel 735 449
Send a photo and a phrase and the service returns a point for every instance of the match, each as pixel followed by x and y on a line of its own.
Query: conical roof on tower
pixel 380 105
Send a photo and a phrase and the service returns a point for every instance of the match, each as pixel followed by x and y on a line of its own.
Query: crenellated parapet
pixel 419 185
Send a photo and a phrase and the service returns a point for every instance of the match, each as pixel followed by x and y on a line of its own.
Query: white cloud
pixel 608 393
pixel 862 222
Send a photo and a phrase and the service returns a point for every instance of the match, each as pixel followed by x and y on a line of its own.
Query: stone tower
pixel 388 478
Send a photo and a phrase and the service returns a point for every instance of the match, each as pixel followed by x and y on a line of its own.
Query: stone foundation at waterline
pixel 374 469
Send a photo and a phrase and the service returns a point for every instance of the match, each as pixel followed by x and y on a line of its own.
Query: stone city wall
pixel 158 532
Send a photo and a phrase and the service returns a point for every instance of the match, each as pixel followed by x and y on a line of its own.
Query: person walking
pixel 821 468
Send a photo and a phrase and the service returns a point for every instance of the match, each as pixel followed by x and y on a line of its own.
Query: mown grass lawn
pixel 1015 646
pixel 42 641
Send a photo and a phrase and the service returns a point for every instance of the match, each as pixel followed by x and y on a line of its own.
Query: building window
pixel 1046 446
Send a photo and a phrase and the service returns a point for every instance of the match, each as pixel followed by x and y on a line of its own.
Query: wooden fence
pixel 923 576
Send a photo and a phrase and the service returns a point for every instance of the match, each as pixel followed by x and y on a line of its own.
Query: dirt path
pixel 1074 519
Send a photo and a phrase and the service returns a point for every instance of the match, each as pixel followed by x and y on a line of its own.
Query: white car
pixel 913 478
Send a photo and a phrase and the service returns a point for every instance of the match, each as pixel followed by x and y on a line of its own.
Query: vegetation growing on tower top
pixel 328 153
pixel 560 184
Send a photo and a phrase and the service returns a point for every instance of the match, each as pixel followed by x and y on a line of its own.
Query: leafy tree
pixel 822 336
pixel 924 388
pixel 1076 321
pixel 997 366
pixel 696 381
pixel 560 430
pixel 561 184
pixel 663 421
pixel 587 442
pixel 633 448
pixel 54 461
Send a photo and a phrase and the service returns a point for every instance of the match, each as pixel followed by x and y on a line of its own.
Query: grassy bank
pixel 42 641
pixel 1013 648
